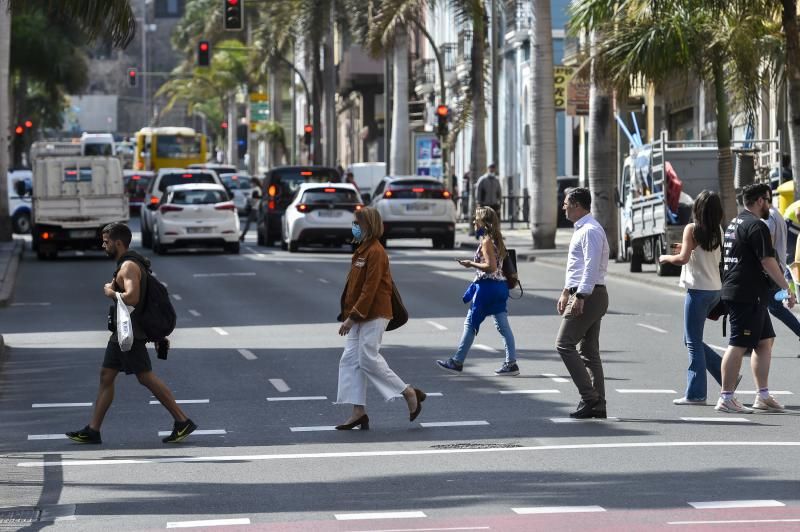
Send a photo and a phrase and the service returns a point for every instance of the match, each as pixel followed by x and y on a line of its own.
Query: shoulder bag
pixel 399 312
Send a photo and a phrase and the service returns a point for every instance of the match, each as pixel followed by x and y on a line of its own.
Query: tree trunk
pixel 602 159
pixel 478 155
pixel 400 157
pixel 543 130
pixel 792 65
pixel 316 97
pixel 727 194
pixel 5 129
pixel 329 69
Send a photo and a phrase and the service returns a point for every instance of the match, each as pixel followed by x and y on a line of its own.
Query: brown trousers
pixel 578 343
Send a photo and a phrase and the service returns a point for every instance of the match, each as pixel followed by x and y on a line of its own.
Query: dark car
pixel 279 186
pixel 136 183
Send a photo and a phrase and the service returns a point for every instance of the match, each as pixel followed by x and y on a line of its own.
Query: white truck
pixel 74 197
pixel 647 227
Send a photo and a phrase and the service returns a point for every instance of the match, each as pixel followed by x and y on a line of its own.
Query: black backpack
pixel 156 315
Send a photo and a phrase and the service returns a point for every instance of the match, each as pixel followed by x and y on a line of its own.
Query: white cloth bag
pixel 124 325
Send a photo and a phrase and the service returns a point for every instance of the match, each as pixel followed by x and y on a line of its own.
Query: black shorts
pixel 135 361
pixel 750 324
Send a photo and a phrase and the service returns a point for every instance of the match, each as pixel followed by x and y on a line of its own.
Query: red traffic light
pixel 442 110
pixel 233 2
pixel 204 46
pixel 308 128
pixel 19 130
pixel 224 125
pixel 28 124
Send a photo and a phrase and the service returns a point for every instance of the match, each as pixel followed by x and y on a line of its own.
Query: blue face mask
pixel 356 229
pixel 480 232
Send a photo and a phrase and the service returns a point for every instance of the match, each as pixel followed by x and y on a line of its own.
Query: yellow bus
pixel 168 147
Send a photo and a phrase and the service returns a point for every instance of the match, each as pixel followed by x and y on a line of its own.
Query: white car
pixel 19 205
pixel 320 213
pixel 243 189
pixel 196 215
pixel 416 207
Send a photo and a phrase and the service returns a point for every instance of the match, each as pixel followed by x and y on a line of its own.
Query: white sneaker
pixel 732 406
pixel 767 405
pixel 685 401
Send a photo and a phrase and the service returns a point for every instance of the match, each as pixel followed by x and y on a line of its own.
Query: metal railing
pixel 464 46
pixel 513 210
pixel 449 56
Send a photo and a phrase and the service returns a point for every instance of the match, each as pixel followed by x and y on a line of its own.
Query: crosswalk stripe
pixel 379 515
pixel 58 405
pixel 186 402
pixel 208 522
pixel 213 432
pixel 312 429
pixel 717 419
pixel 280 385
pixel 296 398
pixel 557 510
pixel 525 392
pixel 454 423
pixel 707 505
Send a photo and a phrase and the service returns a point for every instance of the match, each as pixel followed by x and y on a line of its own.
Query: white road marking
pixel 575 420
pixel 194 313
pixel 771 392
pixel 43 304
pixel 708 505
pixel 652 328
pixel 298 270
pixel 186 402
pixel 454 423
pixel 484 347
pixel 214 432
pixel 558 510
pixel 220 331
pixel 80 253
pixel 717 419
pixel 227 274
pixel 554 377
pixel 58 405
pixel 435 325
pixel 299 398
pixel 379 515
pixel 452 529
pixel 525 392
pixel 47 437
pixel 323 281
pixel 631 390
pixel 736 522
pixel 208 522
pixel 246 353
pixel 280 385
pixel 177 297
pixel 434 394
pixel 397 453
pixel 312 429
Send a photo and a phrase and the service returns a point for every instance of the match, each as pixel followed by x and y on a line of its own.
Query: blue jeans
pixel 701 357
pixel 788 318
pixel 501 323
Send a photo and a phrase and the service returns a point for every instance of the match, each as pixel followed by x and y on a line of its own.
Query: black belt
pixel 574 289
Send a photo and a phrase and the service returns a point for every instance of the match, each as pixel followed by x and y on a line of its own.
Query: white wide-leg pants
pixel 361 361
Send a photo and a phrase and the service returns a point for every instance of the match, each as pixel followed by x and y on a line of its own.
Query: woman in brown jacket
pixel 366 310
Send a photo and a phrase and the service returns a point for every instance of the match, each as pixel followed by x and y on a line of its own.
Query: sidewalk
pixel 9 262
pixel 520 239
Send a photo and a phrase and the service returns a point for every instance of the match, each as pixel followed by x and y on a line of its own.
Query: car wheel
pixel 232 248
pixel 292 247
pixel 449 242
pixel 284 245
pixel 21 222
pixel 158 248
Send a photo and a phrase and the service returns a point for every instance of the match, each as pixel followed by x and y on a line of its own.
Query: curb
pixel 10 276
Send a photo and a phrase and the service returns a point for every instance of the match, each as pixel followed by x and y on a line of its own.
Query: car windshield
pixel 177 146
pixel 288 180
pixel 329 195
pixel 416 190
pixel 198 197
pixel 237 181
pixel 168 180
pixel 137 184
pixel 94 149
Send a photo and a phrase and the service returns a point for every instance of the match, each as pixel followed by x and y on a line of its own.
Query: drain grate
pixel 481 445
pixel 19 516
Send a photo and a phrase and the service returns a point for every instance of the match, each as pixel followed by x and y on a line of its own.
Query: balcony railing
pixel 449 53
pixel 464 46
pixel 424 75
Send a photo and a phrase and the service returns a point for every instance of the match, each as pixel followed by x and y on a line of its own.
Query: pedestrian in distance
pixel 130 281
pixel 749 265
pixel 489 189
pixel 252 212
pixel 699 257
pixel 366 308
pixel 583 303
pixel 487 295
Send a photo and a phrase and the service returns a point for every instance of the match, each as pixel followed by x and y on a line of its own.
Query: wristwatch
pixel 578 295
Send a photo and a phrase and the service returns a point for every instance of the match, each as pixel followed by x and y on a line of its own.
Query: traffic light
pixel 308 131
pixel 28 124
pixel 442 117
pixel 132 77
pixel 19 130
pixel 233 14
pixel 203 54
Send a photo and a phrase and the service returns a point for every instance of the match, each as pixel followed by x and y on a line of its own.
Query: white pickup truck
pixel 74 197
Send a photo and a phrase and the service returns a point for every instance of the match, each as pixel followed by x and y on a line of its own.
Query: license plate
pixel 418 207
pixel 196 230
pixel 330 214
pixel 85 233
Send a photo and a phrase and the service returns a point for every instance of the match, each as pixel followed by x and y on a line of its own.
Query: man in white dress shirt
pixel 583 303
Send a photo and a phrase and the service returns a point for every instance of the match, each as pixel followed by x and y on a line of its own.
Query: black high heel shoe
pixel 362 423
pixel 420 397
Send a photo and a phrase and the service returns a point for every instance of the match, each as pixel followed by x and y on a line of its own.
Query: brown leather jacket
pixel 367 294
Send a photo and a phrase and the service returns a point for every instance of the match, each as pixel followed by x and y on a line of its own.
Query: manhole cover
pixel 19 516
pixel 477 446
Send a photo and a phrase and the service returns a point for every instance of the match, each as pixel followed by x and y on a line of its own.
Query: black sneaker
pixel 595 409
pixel 85 435
pixel 180 431
pixel 450 366
pixel 509 369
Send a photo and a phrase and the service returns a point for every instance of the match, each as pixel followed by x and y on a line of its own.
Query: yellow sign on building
pixel 561 77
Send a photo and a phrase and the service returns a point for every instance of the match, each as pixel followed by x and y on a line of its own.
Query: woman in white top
pixel 699 254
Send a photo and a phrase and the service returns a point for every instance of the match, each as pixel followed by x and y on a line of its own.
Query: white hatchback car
pixel 416 207
pixel 320 213
pixel 196 215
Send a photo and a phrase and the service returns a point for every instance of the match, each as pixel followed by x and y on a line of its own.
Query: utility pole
pixel 387 110
pixel 5 47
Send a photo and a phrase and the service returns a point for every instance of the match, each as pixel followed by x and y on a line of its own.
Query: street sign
pixel 259 111
pixel 578 97
pixel 258 97
pixel 561 77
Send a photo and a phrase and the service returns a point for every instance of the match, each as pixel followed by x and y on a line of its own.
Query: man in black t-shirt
pixel 748 279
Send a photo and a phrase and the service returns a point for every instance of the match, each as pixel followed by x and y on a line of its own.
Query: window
pixel 198 197
pixel 330 195
pixel 169 8
pixel 168 180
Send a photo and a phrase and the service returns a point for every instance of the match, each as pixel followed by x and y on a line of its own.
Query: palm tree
pixel 543 186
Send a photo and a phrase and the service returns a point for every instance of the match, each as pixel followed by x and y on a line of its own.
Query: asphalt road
pixel 256 354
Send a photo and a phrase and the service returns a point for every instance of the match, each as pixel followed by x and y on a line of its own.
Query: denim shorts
pixel 750 324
